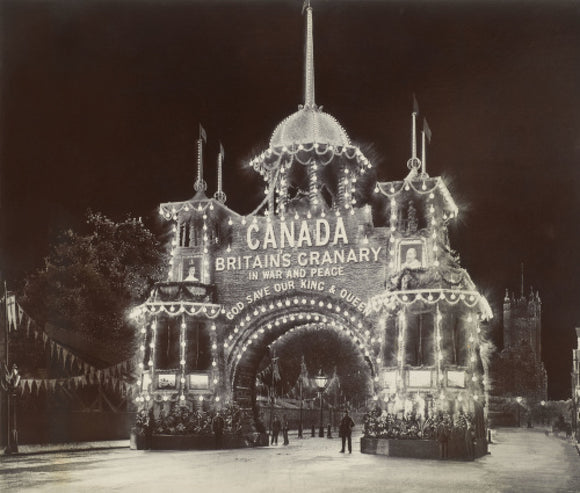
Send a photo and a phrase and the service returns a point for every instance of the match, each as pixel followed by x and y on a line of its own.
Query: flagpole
pixel 413 163
pixel 414 136
pixel 423 154
pixel 6 321
pixel 4 407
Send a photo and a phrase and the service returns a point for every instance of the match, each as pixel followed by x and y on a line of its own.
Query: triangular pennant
pixel 65 355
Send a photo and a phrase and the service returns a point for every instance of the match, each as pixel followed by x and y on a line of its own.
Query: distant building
pixel 517 371
pixel 522 321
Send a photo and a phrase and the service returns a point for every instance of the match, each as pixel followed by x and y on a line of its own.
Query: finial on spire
pixel 308 58
pixel 220 195
pixel 413 163
pixel 200 185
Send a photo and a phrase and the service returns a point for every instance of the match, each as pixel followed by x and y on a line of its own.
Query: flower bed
pixel 408 436
pixel 184 429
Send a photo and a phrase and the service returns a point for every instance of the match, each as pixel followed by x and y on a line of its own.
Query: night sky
pixel 100 104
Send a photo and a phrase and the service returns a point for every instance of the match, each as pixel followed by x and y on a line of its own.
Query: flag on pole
pixel 426 129
pixel 275 371
pixel 303 371
pixel 415 105
pixel 11 312
pixel 222 151
pixel 202 134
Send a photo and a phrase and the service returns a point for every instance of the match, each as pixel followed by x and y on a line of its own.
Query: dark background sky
pixel 100 104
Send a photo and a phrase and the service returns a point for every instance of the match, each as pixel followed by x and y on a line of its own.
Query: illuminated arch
pixel 265 322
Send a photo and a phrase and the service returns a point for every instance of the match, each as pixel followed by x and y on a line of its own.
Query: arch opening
pixel 327 334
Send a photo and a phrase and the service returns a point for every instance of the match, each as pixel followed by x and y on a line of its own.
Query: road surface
pixel 521 460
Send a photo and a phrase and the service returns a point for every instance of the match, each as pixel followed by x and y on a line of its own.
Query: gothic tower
pixel 522 321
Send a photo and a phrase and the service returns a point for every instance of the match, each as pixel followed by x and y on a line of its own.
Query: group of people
pixel 444 429
pixel 276 427
pixel 345 431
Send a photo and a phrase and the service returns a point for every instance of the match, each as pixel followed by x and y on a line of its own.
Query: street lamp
pixel 519 401
pixel 10 382
pixel 320 381
pixel 543 404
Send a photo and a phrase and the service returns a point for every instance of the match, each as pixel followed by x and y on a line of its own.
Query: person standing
pixel 443 439
pixel 345 430
pixel 470 442
pixel 218 429
pixel 285 428
pixel 275 430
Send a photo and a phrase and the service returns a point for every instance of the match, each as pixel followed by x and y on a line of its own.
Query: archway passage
pixel 337 330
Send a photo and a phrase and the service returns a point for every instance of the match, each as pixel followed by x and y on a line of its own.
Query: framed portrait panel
pixel 390 379
pixel 166 381
pixel 411 254
pixel 192 269
pixel 198 381
pixel 455 378
pixel 420 378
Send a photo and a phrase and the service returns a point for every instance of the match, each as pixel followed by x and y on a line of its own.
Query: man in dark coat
pixel 443 438
pixel 276 425
pixel 345 430
pixel 218 425
pixel 285 428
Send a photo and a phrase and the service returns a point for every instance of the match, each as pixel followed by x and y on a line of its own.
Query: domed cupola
pixel 310 160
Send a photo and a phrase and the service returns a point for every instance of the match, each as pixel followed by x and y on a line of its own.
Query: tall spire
pixel 308 59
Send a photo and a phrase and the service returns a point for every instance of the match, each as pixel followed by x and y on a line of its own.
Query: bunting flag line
pixel 18 318
pixel 36 385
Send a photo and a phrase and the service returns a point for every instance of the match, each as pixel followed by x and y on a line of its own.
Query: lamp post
pixel 301 410
pixel 10 382
pixel 543 410
pixel 519 401
pixel 321 380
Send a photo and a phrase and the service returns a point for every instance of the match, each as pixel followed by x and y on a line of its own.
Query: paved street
pixel 520 460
